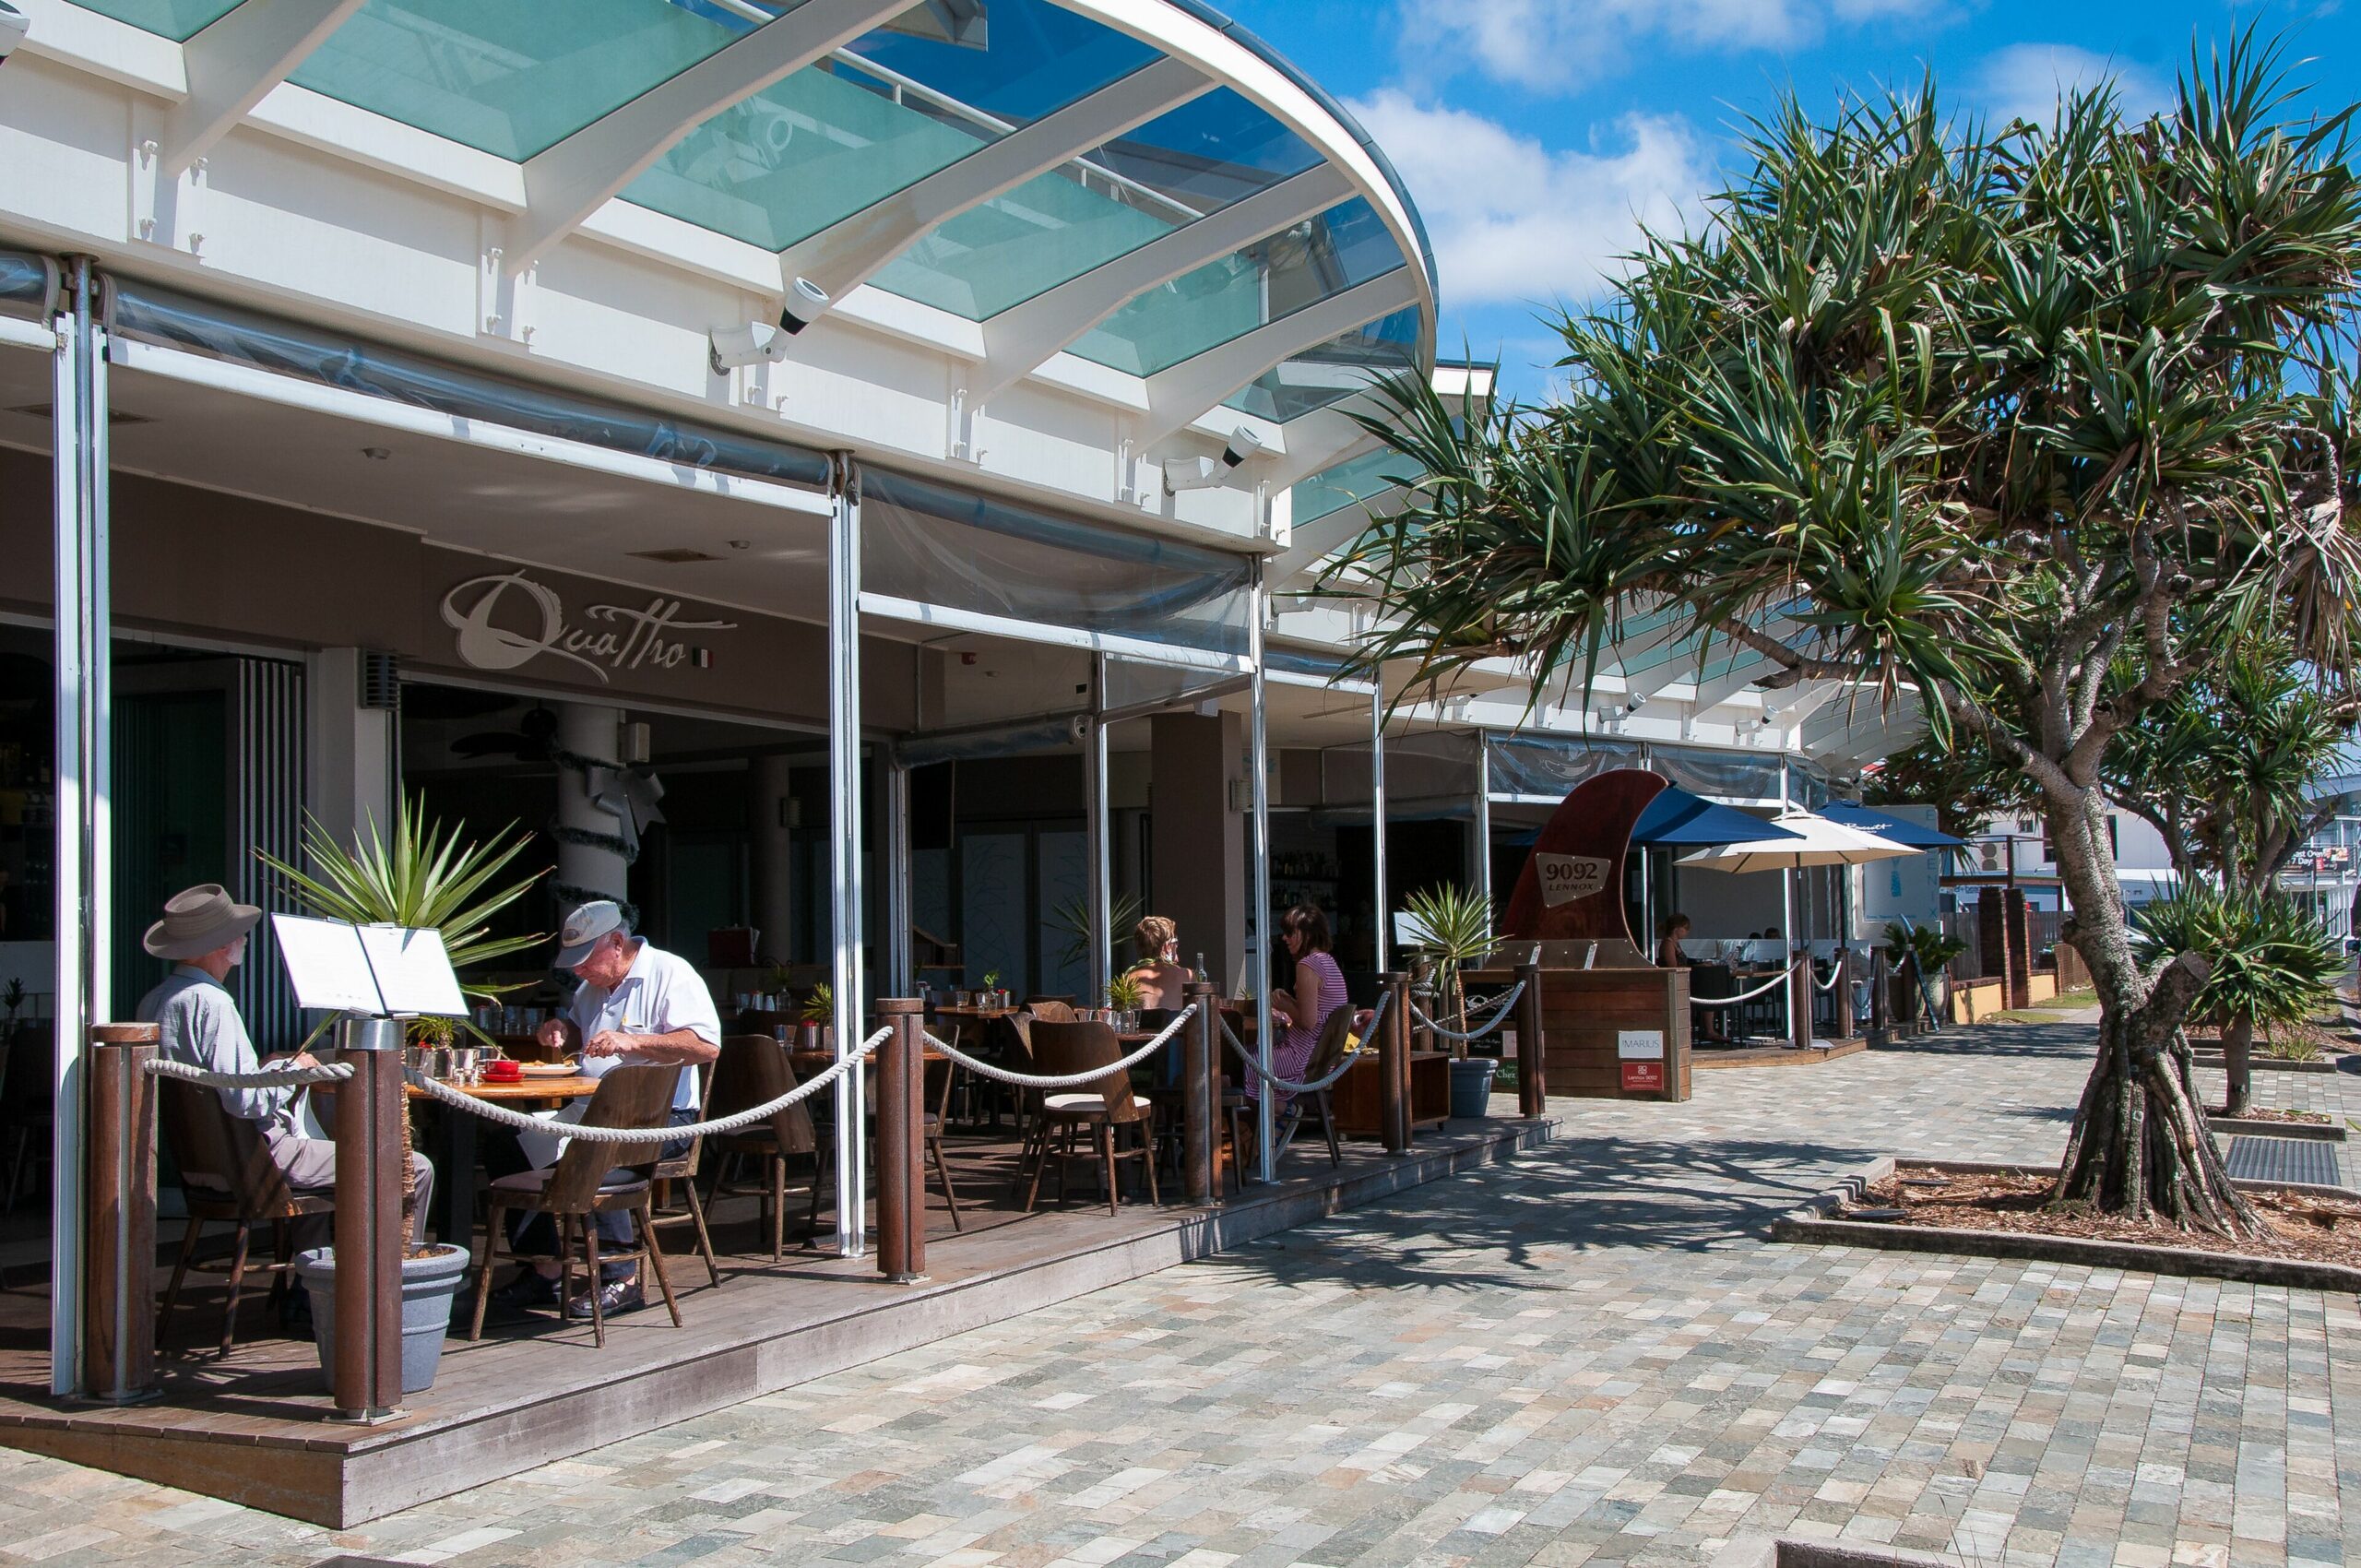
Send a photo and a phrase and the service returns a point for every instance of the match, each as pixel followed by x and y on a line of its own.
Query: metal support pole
pixel 1377 822
pixel 80 868
pixel 1266 929
pixel 1394 1064
pixel 844 848
pixel 901 1143
pixel 1532 1083
pixel 1423 995
pixel 1482 879
pixel 119 1294
pixel 367 1373
pixel 1200 1093
pixel 901 961
pixel 1101 877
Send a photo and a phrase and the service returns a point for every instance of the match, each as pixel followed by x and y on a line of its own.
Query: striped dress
pixel 1293 1051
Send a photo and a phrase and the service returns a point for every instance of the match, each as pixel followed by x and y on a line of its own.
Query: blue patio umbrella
pixel 1676 818
pixel 1891 827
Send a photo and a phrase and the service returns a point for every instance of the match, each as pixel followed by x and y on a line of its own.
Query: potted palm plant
pixel 1124 995
pixel 819 1018
pixel 1454 927
pixel 426 878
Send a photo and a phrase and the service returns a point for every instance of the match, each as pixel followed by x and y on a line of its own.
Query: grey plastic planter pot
pixel 428 1286
pixel 1471 1086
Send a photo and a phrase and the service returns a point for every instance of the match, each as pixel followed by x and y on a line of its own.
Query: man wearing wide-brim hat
pixel 203 935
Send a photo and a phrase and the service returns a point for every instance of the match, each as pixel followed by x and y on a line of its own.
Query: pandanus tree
pixel 2022 424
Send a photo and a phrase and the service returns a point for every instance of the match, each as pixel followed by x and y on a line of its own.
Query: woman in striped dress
pixel 1302 1012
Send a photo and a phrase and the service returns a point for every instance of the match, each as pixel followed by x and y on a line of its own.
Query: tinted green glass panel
pixel 1346 245
pixel 1333 371
pixel 1346 484
pixel 1178 166
pixel 181 20
pixel 900 105
pixel 510 77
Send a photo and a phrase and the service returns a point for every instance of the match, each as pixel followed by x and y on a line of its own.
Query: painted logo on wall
pixel 1565 878
pixel 506 621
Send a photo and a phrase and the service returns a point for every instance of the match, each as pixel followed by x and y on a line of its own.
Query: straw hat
pixel 197 921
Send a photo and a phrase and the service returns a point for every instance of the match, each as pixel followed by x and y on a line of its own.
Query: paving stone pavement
pixel 1591 1355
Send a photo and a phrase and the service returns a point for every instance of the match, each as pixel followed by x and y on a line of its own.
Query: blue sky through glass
pixel 1535 133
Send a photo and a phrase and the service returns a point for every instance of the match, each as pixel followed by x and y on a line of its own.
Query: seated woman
pixel 1158 971
pixel 1670 934
pixel 1301 1013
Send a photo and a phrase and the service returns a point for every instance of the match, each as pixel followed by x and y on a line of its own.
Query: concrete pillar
pixel 766 810
pixel 586 871
pixel 349 769
pixel 1198 838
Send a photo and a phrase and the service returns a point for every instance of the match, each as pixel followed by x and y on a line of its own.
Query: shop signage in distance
pixel 1643 1077
pixel 1565 878
pixel 1640 1045
pixel 610 638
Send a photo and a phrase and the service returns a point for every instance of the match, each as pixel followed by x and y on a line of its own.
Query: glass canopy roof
pixel 939 80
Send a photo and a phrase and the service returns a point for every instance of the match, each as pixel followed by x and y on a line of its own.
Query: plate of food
pixel 548 1069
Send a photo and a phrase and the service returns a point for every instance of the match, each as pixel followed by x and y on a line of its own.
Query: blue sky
pixel 1535 133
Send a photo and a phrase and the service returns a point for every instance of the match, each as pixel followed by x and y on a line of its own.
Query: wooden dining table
pixel 454 1174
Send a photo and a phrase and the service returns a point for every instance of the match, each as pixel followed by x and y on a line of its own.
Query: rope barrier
pixel 501 1116
pixel 1499 1018
pixel 288 1079
pixel 1835 972
pixel 1774 984
pixel 1071 1080
pixel 1352 1060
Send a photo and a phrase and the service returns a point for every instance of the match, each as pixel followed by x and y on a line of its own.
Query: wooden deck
pixel 250 1428
pixel 1777 1055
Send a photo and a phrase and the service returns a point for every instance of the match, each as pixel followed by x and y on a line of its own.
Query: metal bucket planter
pixel 1471 1086
pixel 429 1284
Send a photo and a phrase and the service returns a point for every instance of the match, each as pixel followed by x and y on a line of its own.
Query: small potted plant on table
pixel 426 879
pixel 1124 995
pixel 819 1026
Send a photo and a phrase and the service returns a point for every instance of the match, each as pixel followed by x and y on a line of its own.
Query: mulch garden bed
pixel 2304 1225
pixel 2257 1113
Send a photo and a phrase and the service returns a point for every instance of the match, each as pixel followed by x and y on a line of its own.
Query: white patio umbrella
pixel 1814 841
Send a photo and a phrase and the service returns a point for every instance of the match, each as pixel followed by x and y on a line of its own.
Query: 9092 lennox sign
pixel 1565 878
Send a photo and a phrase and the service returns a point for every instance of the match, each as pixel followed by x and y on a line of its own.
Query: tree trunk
pixel 2237 1061
pixel 2139 1149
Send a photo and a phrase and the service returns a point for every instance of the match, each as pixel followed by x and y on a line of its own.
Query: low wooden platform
pixel 1777 1055
pixel 250 1429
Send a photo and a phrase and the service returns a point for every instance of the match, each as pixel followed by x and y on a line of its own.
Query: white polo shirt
pixel 663 992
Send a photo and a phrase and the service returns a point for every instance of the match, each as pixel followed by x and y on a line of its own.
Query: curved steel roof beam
pixel 1177 397
pixel 233 62
pixel 571 178
pixel 1025 337
pixel 1739 673
pixel 850 251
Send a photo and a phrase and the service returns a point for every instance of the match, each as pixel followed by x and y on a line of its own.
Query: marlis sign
pixel 625 639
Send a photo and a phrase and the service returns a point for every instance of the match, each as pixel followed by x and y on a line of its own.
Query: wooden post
pixel 1393 1065
pixel 1532 1088
pixel 1200 1092
pixel 1843 992
pixel 901 1143
pixel 1799 1000
pixel 1422 998
pixel 367 1376
pixel 1880 999
pixel 119 1255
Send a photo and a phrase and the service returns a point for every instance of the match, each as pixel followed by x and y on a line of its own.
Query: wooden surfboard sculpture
pixel 1572 888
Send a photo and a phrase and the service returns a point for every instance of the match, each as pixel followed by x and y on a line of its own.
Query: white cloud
pixel 2025 81
pixel 1513 220
pixel 1556 45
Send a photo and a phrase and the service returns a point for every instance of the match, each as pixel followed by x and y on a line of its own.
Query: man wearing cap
pixel 203 934
pixel 637 1005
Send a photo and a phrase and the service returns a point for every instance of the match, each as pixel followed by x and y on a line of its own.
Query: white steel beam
pixel 1729 679
pixel 1791 705
pixel 1026 334
pixel 233 62
pixel 571 179
pixel 850 251
pixel 1641 686
pixel 1177 397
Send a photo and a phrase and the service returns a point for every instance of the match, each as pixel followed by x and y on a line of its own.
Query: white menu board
pixel 376 969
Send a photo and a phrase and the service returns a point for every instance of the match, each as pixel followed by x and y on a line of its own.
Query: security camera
pixel 805 301
pixel 14 25
pixel 1207 473
pixel 758 342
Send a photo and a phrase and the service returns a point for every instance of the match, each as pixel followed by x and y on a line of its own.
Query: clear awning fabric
pixel 1025 572
pixel 28 284
pixel 1540 768
pixel 1718 775
pixel 1321 669
pixel 183 321
pixel 1134 685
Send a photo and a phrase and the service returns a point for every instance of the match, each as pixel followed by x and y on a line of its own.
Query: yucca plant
pixel 1125 992
pixel 1455 929
pixel 2273 965
pixel 820 1007
pixel 1932 947
pixel 426 878
pixel 1073 918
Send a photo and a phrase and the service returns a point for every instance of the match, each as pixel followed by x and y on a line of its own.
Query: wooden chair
pixel 227 1175
pixel 592 1179
pixel 753 1070
pixel 683 1173
pixel 936 1095
pixel 1327 1055
pixel 1060 1050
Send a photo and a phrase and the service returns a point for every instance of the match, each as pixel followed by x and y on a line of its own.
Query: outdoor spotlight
pixel 1206 473
pixel 805 301
pixel 14 25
